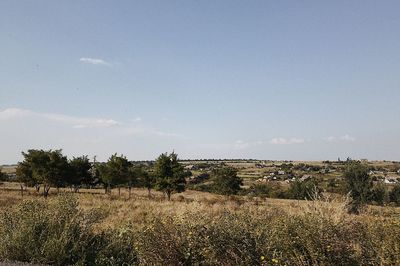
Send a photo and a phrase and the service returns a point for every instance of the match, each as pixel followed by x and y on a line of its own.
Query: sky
pixel 294 80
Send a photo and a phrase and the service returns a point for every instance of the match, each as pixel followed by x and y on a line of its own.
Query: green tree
pixel 394 195
pixel 28 171
pixel 3 176
pixel 145 179
pixel 134 178
pixel 226 181
pixel 379 193
pixel 303 189
pixel 359 184
pixel 49 168
pixel 116 172
pixel 169 174
pixel 81 173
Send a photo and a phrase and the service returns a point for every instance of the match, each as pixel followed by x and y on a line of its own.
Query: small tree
pixel 394 195
pixel 359 184
pixel 169 174
pixel 226 181
pixel 24 176
pixel 80 172
pixel 379 193
pixel 301 190
pixel 49 168
pixel 134 177
pixel 3 176
pixel 55 172
pixel 116 171
pixel 145 179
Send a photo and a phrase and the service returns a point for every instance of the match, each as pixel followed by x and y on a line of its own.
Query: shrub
pixel 379 194
pixel 394 195
pixel 58 233
pixel 359 185
pixel 303 189
pixel 226 181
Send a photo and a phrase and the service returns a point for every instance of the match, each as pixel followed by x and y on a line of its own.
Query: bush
pixel 359 185
pixel 379 194
pixel 322 235
pixel 226 181
pixel 261 190
pixel 394 195
pixel 58 233
pixel 303 189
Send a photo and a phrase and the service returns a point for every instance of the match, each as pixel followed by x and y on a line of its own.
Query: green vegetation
pixel 56 231
pixel 3 176
pixel 286 180
pixel 359 185
pixel 169 173
pixel 395 195
pixel 90 227
pixel 226 181
pixel 59 233
pixel 49 168
pixel 116 171
pixel 80 172
pixel 303 189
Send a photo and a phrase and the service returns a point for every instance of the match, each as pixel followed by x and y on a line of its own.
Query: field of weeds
pixel 193 228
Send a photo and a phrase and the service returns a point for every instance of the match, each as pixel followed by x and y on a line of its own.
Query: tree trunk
pixel 129 189
pixel 149 192
pixel 22 190
pixel 37 187
pixel 46 191
pixel 119 191
pixel 169 195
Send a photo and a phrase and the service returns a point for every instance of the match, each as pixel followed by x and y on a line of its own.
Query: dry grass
pixel 203 228
pixel 140 206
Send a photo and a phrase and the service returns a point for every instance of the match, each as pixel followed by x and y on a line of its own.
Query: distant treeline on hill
pixel 46 169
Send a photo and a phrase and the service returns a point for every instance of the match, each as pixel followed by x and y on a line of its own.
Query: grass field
pixel 200 228
pixel 195 228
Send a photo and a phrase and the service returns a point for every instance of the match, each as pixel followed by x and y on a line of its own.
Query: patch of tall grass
pixel 319 232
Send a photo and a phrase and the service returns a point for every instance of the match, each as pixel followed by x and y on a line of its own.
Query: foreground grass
pixel 195 229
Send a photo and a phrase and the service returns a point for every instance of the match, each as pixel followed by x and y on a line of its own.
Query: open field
pixel 198 228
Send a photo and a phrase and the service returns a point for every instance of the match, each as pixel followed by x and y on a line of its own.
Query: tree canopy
pixel 169 174
pixel 359 184
pixel 116 171
pixel 226 181
pixel 49 168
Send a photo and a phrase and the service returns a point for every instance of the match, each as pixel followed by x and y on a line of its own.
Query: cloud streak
pixel 286 141
pixel 241 145
pixel 76 122
pixel 346 138
pixel 94 61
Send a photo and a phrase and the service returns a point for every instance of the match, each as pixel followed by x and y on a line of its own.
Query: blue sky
pixel 301 80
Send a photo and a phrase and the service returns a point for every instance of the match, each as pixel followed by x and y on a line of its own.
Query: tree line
pixel 51 169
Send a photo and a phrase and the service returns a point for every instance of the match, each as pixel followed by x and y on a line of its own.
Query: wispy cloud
pixel 240 144
pixel 76 122
pixel 136 119
pixel 121 128
pixel 94 61
pixel 330 139
pixel 345 137
pixel 286 141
